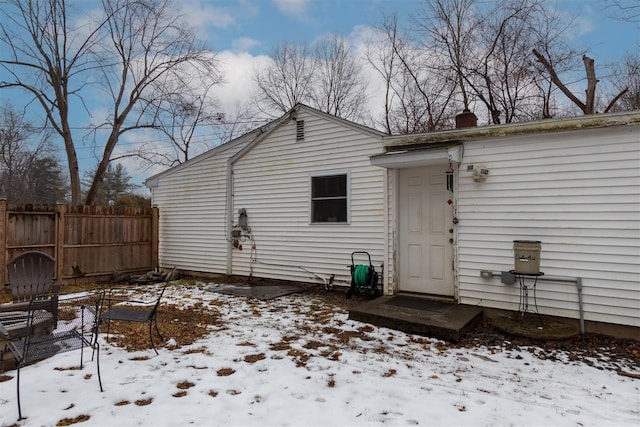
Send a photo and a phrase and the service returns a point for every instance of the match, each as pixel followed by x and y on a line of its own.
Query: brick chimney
pixel 466 119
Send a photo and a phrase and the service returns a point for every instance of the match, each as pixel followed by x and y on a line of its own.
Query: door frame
pixel 394 245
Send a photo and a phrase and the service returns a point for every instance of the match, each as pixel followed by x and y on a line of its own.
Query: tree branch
pixel 592 82
pixel 556 80
pixel 615 99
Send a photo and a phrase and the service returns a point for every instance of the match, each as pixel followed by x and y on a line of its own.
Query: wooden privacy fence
pixel 88 242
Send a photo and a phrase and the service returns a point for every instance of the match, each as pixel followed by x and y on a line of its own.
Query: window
pixel 329 198
pixel 300 130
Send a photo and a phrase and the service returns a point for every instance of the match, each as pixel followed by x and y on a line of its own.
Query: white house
pixel 440 210
pixel 310 194
pixel 458 199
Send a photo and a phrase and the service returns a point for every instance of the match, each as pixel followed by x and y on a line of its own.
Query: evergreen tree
pixel 115 185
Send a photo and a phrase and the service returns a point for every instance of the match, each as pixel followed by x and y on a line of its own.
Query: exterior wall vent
pixel 299 130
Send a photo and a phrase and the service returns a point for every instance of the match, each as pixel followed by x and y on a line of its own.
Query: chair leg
pixel 94 345
pixel 18 393
pixel 155 320
pixel 97 350
pixel 151 339
pixel 108 326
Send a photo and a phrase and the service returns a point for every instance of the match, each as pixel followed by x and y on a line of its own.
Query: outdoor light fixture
pixel 480 172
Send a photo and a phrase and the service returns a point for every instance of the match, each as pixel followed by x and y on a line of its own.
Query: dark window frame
pixel 329 201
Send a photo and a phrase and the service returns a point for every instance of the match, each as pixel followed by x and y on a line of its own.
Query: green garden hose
pixel 361 275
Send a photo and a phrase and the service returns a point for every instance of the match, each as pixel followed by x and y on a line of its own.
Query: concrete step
pixel 421 316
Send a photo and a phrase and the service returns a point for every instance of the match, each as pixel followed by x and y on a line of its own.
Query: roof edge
pixel 515 129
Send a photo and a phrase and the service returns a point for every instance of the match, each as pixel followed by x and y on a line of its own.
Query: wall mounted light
pixel 480 172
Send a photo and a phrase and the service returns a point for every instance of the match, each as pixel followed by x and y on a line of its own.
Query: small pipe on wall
pixel 509 278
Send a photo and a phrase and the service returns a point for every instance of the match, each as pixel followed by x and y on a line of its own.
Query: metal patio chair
pixel 31 275
pixel 34 335
pixel 134 304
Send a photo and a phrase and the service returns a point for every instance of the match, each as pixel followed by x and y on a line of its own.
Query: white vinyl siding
pixel 192 205
pixel 579 193
pixel 272 182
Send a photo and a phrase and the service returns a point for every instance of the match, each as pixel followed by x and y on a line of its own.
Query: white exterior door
pixel 425 240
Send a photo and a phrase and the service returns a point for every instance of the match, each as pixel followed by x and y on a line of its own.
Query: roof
pixel 152 181
pixel 513 129
pixel 259 134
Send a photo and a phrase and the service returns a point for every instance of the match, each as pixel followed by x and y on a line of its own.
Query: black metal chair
pixel 34 335
pixel 134 304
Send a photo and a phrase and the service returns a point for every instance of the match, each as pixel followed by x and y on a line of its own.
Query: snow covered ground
pixel 296 361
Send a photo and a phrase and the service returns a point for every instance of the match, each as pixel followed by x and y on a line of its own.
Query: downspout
pixel 230 162
pixel 229 203
pixel 385 281
pixel 579 286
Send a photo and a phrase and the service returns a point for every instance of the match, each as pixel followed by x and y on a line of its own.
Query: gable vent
pixel 299 130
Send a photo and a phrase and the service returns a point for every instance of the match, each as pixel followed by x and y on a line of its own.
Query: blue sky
pixel 243 32
pixel 253 25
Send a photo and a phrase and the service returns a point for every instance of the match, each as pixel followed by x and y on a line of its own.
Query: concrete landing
pixel 263 292
pixel 420 316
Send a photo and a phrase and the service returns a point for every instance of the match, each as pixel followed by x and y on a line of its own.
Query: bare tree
pixel 623 10
pixel 29 172
pixel 287 81
pixel 128 53
pixel 325 76
pixel 424 93
pixel 419 93
pixel 449 26
pixel 238 122
pixel 180 117
pixel 500 78
pixel 547 30
pixel 191 125
pixel 340 88
pixel 588 106
pixel 627 75
pixel 485 46
pixel 381 56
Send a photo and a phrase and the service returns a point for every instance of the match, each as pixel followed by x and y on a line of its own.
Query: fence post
pixel 155 237
pixel 3 241
pixel 59 241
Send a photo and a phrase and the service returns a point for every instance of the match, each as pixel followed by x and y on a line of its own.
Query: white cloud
pixel 237 69
pixel 248 7
pixel 580 26
pixel 244 44
pixel 199 16
pixel 295 8
pixel 359 37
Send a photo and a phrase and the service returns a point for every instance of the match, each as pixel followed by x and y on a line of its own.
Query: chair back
pixel 30 275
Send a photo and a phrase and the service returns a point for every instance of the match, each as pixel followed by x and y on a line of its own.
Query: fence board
pixel 88 242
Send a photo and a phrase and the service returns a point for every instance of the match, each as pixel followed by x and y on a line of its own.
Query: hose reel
pixel 364 278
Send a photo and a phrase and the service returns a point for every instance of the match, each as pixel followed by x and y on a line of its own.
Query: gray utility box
pixel 526 256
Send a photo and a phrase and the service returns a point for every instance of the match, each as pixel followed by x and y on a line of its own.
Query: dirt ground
pixel 601 350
